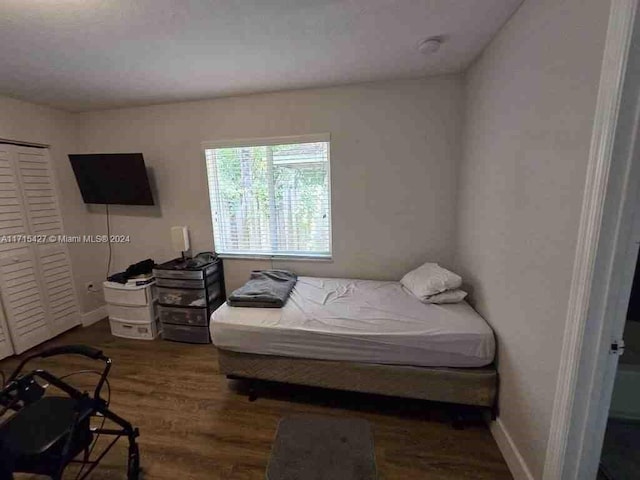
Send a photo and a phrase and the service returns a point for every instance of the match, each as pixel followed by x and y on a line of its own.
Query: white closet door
pixel 35 278
pixel 6 346
pixel 45 220
pixel 23 300
pixel 13 220
pixel 57 282
pixel 39 191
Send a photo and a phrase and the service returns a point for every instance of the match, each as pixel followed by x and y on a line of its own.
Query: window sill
pixel 275 258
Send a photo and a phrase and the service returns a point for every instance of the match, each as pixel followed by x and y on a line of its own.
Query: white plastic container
pixel 119 294
pixel 135 330
pixel 143 313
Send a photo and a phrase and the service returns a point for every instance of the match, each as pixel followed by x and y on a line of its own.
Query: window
pixel 271 197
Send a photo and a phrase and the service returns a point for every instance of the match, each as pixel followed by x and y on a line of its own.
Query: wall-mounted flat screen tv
pixel 112 178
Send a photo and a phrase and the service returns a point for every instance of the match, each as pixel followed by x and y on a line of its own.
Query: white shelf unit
pixel 132 310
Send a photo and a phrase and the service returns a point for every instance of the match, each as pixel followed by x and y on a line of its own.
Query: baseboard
pixel 510 452
pixel 94 316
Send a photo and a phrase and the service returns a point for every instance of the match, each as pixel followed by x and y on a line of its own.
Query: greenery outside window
pixel 271 197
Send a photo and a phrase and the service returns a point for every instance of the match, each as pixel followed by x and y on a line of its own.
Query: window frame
pixel 266 141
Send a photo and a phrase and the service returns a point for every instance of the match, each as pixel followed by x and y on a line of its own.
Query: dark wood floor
pixel 195 424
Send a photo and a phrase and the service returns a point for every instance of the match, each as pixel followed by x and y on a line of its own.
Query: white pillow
pixel 430 279
pixel 450 296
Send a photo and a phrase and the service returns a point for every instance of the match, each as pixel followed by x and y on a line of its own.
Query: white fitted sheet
pixel 358 321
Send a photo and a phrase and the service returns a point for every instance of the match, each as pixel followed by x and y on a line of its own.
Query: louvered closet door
pixel 35 278
pixel 6 346
pixel 13 222
pixel 12 213
pixel 38 190
pixel 57 281
pixel 23 300
pixel 44 219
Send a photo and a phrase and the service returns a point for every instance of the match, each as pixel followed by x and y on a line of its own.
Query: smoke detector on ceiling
pixel 430 46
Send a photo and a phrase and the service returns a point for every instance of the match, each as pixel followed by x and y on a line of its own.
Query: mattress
pixel 359 321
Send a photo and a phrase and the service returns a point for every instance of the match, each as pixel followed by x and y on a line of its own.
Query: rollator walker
pixel 45 434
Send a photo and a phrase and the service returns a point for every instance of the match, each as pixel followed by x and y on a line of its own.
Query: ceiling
pixel 93 54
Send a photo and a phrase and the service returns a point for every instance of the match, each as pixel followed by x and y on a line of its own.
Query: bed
pixel 361 335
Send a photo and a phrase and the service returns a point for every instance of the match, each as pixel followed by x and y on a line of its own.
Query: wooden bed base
pixel 467 386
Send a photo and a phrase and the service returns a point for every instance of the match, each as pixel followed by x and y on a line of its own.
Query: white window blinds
pixel 271 197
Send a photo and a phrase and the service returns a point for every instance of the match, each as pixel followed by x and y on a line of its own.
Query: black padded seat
pixel 39 433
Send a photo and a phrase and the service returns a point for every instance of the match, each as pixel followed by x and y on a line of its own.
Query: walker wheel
pixel 133 469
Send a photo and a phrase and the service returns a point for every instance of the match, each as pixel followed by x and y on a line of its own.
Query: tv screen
pixel 112 178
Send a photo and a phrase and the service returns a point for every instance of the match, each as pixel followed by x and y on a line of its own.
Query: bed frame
pixel 467 386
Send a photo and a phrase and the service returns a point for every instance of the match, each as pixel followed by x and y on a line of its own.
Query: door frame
pixel 601 281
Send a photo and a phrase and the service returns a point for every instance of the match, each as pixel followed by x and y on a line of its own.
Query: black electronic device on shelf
pixel 189 290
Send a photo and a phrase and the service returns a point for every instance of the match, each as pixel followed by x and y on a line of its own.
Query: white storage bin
pixel 136 330
pixel 120 294
pixel 144 313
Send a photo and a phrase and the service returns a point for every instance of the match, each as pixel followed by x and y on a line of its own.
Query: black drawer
pixel 183 316
pixel 186 297
pixel 188 274
pixel 175 283
pixel 182 283
pixel 184 333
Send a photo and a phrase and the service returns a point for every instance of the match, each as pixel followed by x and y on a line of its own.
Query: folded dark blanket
pixel 265 289
pixel 140 268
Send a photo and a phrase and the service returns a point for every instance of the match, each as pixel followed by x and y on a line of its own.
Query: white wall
pixel 26 122
pixel 394 152
pixel 530 101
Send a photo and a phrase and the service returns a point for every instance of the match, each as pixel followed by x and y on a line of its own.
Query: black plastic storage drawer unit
pixel 188 292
